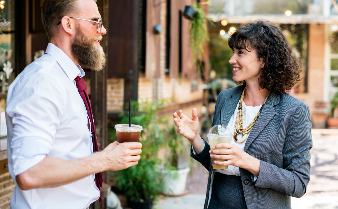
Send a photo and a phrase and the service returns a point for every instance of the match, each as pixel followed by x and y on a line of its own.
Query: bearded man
pixel 52 146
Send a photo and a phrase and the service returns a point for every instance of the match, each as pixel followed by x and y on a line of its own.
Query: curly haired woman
pixel 269 156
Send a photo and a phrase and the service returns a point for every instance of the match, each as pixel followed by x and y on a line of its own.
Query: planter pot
pixel 141 205
pixel 189 12
pixel 175 181
pixel 332 122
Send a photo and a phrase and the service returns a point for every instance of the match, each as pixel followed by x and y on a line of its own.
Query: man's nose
pixel 103 30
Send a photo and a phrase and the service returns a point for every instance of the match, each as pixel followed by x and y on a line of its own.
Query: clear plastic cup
pixel 124 133
pixel 218 135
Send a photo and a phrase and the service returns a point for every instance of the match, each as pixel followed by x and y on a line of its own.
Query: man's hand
pixel 52 172
pixel 120 156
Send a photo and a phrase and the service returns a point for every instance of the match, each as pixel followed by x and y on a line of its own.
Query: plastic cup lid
pixel 126 128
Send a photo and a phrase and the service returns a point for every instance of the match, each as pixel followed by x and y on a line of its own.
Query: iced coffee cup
pixel 124 133
pixel 218 135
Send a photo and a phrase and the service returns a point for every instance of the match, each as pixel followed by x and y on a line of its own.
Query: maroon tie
pixel 82 88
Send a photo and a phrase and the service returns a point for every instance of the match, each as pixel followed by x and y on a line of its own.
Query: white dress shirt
pixel 46 117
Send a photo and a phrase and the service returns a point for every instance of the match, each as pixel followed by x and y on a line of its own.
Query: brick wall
pixel 115 92
pixel 178 89
pixel 316 73
pixel 145 89
pixel 6 189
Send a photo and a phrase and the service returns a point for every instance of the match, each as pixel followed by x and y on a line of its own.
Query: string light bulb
pixel 288 13
pixel 232 30
pixel 222 32
pixel 2 6
pixel 224 22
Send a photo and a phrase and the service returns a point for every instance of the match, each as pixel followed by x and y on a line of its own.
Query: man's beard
pixel 85 51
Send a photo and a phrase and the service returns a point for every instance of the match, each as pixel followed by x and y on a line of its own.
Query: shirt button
pixel 246 181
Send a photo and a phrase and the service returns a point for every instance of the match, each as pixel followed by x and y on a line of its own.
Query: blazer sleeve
pixel 202 157
pixel 294 177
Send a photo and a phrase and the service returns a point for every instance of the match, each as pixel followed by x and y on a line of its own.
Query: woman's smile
pixel 235 69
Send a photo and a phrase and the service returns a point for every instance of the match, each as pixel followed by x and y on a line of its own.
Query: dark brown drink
pixel 127 136
pixel 124 133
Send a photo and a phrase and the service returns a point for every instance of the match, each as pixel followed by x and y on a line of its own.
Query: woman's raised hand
pixel 187 127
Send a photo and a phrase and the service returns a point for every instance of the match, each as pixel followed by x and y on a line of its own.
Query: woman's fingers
pixel 222 157
pixel 180 114
pixel 227 162
pixel 177 122
pixel 194 114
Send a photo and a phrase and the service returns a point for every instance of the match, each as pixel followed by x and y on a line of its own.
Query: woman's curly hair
pixel 281 70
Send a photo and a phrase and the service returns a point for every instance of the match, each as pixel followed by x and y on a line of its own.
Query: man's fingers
pixel 133 158
pixel 132 164
pixel 135 152
pixel 113 144
pixel 132 145
pixel 194 114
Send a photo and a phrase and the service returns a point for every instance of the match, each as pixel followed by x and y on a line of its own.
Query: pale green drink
pixel 215 139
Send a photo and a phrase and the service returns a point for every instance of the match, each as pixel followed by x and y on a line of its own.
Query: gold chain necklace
pixel 239 121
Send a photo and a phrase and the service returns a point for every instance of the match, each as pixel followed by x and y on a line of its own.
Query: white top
pixel 249 113
pixel 46 116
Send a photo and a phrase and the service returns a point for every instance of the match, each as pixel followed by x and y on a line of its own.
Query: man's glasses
pixel 98 22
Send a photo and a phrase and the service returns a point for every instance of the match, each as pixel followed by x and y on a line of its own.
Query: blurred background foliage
pixel 219 56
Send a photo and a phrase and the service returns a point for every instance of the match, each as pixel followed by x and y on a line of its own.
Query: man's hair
pixel 281 70
pixel 52 11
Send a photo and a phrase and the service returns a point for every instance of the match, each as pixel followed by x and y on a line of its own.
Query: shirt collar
pixel 67 65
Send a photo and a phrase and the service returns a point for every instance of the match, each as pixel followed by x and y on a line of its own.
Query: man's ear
pixel 68 25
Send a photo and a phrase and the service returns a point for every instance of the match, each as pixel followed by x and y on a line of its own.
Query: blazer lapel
pixel 268 112
pixel 229 105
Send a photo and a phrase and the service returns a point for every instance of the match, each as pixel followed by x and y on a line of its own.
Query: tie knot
pixel 80 83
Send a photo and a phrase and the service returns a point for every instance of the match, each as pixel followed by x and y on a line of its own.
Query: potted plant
pixel 175 178
pixel 198 29
pixel 332 122
pixel 143 182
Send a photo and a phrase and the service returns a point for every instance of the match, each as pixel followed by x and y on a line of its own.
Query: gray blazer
pixel 281 139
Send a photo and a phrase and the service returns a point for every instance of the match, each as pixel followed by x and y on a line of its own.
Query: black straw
pixel 129 114
pixel 220 117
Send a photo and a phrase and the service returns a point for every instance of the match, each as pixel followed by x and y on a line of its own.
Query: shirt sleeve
pixel 33 110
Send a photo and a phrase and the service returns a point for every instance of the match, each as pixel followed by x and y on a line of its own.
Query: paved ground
pixel 322 191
